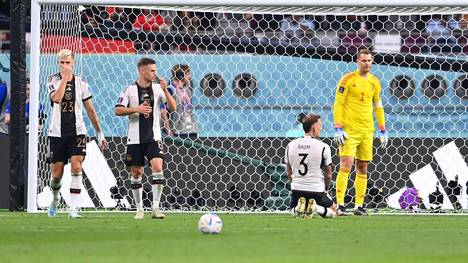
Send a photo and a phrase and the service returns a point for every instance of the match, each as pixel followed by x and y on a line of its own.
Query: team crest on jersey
pixel 68 95
pixel 341 89
pixel 146 98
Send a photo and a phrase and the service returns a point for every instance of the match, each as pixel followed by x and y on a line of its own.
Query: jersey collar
pixel 356 72
pixel 140 87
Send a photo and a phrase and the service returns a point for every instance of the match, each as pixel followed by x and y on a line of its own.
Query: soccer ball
pixel 210 224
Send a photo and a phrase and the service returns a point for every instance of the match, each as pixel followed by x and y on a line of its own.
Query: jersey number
pixel 302 163
pixel 68 106
pixel 362 96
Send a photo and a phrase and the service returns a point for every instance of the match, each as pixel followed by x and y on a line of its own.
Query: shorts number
pixel 302 163
pixel 81 142
pixel 160 145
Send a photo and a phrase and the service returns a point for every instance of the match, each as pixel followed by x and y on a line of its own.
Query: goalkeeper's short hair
pixel 364 51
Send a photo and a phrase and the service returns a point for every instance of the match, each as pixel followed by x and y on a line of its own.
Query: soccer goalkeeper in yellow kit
pixel 357 97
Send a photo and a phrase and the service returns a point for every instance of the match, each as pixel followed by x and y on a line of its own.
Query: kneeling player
pixel 306 158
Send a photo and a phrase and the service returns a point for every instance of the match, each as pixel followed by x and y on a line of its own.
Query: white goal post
pixel 446 67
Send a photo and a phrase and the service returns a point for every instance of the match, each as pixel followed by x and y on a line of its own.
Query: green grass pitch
pixel 117 237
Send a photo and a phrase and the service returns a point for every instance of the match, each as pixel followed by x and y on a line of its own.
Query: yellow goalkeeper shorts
pixel 358 145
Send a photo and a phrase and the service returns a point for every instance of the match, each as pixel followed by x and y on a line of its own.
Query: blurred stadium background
pixel 253 73
pixel 254 70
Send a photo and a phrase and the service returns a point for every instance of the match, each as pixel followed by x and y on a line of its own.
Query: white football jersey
pixel 143 128
pixel 67 116
pixel 307 156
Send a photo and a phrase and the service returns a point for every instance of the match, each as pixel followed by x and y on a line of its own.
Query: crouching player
pixel 308 162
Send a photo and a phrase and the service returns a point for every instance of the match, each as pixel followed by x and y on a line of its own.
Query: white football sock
pixel 75 191
pixel 157 186
pixel 324 212
pixel 137 191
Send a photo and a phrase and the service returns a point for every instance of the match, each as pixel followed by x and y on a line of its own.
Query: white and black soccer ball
pixel 210 224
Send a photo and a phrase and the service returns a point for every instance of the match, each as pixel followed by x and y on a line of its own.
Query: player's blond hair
pixel 66 53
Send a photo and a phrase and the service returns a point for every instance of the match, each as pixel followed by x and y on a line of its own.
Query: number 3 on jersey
pixel 303 164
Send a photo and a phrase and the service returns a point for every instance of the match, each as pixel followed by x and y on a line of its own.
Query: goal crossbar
pixel 368 3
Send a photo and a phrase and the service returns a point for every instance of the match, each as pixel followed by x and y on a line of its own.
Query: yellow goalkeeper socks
pixel 361 186
pixel 341 185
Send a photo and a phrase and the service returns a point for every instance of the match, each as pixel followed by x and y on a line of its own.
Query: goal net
pixel 254 70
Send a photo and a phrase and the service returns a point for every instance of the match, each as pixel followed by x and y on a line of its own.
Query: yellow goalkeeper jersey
pixel 356 97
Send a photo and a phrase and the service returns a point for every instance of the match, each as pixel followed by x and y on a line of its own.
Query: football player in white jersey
pixel 308 162
pixel 67 131
pixel 141 102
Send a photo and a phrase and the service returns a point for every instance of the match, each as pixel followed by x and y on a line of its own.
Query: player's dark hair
pixel 146 61
pixel 364 51
pixel 179 71
pixel 308 121
pixel 301 116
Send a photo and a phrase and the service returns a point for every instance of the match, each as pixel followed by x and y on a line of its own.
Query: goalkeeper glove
pixel 383 138
pixel 340 136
